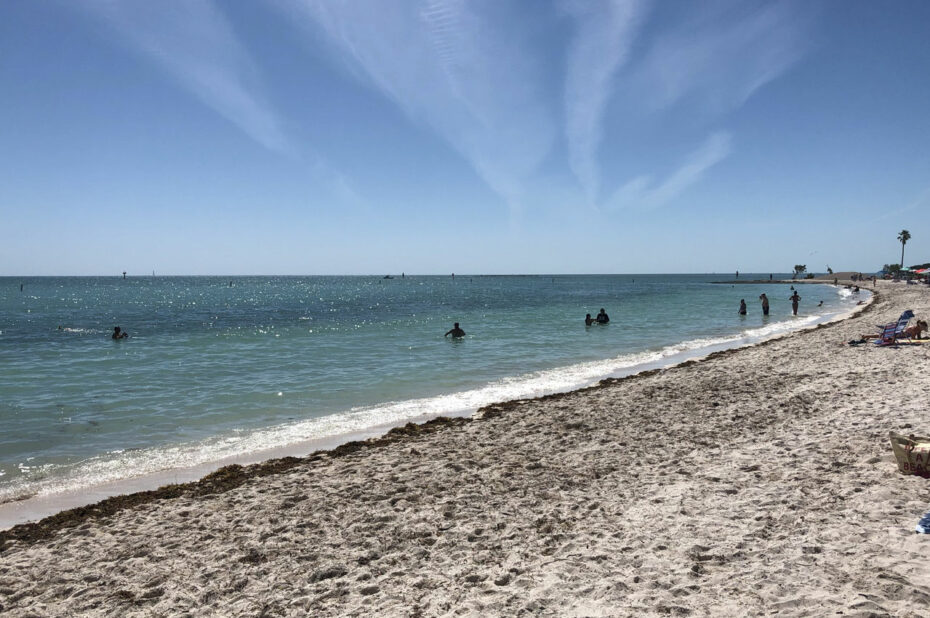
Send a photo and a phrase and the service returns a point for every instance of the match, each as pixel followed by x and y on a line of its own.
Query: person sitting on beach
pixel 795 299
pixel 455 331
pixel 588 320
pixel 742 306
pixel 119 334
pixel 602 317
pixel 765 303
pixel 914 331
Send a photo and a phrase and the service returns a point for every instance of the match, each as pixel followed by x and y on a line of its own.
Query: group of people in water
pixel 602 318
pixel 794 298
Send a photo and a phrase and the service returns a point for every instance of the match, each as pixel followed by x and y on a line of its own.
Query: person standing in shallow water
pixel 795 299
pixel 602 317
pixel 765 303
pixel 455 331
pixel 119 334
pixel 742 306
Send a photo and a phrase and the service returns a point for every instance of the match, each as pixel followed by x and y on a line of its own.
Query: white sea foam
pixel 119 465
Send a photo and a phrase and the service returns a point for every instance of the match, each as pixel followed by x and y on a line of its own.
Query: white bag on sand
pixel 912 453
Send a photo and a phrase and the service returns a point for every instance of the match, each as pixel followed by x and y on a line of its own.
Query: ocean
pixel 221 367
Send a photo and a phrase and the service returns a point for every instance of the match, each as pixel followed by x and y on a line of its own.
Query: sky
pixel 309 137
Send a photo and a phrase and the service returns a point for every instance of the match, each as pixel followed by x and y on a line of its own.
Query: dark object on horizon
pixel 124 274
pixel 387 277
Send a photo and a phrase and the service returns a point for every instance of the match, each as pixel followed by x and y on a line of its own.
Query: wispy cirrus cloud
pixel 195 44
pixel 720 53
pixel 644 193
pixel 459 67
pixel 604 33
pixel 704 60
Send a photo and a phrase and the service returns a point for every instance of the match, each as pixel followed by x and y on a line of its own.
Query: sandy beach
pixel 757 481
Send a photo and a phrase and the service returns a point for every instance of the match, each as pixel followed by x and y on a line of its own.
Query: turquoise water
pixel 220 366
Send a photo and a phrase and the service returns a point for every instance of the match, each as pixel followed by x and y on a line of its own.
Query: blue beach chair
pixel 888 334
pixel 902 325
pixel 895 330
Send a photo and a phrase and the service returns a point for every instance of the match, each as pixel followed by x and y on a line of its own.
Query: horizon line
pixel 463 274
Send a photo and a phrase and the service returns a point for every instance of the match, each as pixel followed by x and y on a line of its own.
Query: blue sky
pixel 428 136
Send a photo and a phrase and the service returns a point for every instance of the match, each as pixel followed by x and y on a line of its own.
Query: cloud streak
pixel 448 64
pixel 601 44
pixel 703 60
pixel 721 55
pixel 644 193
pixel 194 43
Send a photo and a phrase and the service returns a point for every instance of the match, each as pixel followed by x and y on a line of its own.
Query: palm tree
pixel 903 237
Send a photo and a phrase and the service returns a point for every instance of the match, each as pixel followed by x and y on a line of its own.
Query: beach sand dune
pixel 756 481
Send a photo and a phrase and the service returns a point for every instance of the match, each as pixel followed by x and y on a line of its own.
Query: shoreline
pixel 34 508
pixel 754 480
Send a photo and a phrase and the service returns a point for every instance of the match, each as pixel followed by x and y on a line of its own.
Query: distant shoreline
pixel 791 281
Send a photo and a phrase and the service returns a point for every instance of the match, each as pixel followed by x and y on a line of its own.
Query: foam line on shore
pixel 117 472
pixel 13 514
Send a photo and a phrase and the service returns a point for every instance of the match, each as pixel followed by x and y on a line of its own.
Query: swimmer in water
pixel 602 317
pixel 455 331
pixel 119 333
pixel 588 320
pixel 795 299
pixel 765 303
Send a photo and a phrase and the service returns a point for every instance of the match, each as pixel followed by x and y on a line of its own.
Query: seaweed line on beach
pixel 232 476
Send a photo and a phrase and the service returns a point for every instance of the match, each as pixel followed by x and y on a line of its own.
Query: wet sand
pixel 755 481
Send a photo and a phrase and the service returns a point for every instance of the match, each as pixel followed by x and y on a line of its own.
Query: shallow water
pixel 217 367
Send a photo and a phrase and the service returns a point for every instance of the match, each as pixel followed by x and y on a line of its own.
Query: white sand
pixel 758 481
